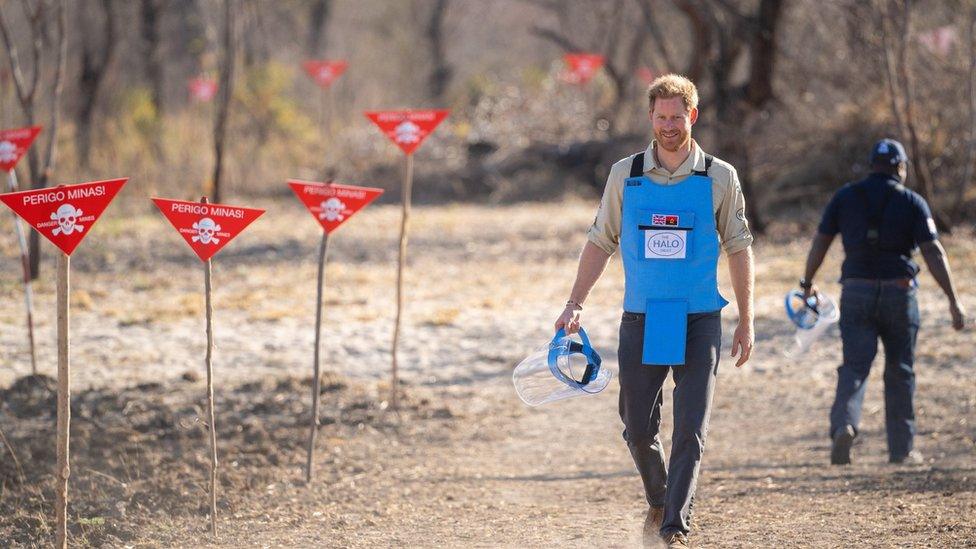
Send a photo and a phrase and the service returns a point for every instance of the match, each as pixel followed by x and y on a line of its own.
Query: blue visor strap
pixel 593 360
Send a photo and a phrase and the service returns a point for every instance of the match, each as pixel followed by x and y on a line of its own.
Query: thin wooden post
pixel 64 399
pixel 404 224
pixel 25 267
pixel 332 107
pixel 208 290
pixel 321 112
pixel 317 380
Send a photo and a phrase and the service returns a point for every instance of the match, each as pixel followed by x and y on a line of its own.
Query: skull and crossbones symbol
pixel 332 210
pixel 407 132
pixel 67 217
pixel 325 73
pixel 206 228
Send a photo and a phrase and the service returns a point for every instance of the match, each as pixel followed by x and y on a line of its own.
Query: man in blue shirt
pixel 881 224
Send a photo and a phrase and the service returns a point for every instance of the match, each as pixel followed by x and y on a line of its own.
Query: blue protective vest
pixel 670 249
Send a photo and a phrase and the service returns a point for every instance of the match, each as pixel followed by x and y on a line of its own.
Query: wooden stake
pixel 25 266
pixel 317 380
pixel 64 399
pixel 332 107
pixel 210 395
pixel 321 113
pixel 404 223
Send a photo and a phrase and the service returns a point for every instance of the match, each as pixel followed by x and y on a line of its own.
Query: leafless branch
pixel 654 30
pixel 556 38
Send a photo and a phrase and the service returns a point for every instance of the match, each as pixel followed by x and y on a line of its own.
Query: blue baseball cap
pixel 888 151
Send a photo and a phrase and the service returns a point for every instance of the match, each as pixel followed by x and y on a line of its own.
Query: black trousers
pixel 641 398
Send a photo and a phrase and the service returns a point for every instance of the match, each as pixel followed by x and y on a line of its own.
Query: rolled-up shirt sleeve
pixel 605 231
pixel 730 218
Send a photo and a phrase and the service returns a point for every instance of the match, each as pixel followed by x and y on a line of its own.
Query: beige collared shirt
pixel 727 200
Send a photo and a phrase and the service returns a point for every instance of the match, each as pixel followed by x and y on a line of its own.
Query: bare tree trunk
pixel 736 105
pixel 441 71
pixel 702 40
pixel 94 64
pixel 762 51
pixel 919 164
pixel 960 202
pixel 253 35
pixel 892 79
pixel 150 15
pixel 662 47
pixel 224 95
pixel 52 130
pixel 27 97
pixel 318 17
pixel 192 38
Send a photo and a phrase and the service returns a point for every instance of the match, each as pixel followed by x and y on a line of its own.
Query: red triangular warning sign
pixel 206 227
pixel 66 213
pixel 407 129
pixel 202 88
pixel 14 144
pixel 332 204
pixel 582 66
pixel 324 71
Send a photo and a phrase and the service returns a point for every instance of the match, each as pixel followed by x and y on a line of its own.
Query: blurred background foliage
pixel 793 92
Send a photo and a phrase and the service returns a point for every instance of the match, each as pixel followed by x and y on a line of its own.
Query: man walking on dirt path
pixel 669 210
pixel 881 223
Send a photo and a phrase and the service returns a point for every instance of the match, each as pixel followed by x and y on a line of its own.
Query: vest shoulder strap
pixel 708 165
pixel 874 217
pixel 637 166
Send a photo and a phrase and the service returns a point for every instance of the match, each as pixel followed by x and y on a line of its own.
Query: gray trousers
pixel 641 396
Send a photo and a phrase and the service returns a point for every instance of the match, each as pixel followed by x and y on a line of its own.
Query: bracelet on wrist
pixel 576 305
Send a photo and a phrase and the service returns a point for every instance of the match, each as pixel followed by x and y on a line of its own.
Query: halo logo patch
pixel 665 244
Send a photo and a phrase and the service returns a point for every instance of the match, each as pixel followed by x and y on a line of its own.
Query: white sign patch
pixel 665 244
pixel 931 223
pixel 8 151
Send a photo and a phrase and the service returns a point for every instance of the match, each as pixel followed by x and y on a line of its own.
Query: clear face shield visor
pixel 563 368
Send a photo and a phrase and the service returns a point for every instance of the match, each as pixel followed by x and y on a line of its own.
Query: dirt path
pixel 498 475
pixel 479 469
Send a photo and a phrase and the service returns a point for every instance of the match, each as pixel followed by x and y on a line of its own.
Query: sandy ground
pixel 466 464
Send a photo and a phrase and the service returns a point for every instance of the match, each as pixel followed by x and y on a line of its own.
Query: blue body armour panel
pixel 670 248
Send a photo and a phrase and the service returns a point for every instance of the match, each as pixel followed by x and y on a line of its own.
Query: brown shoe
pixel 652 526
pixel 676 540
pixel 840 451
